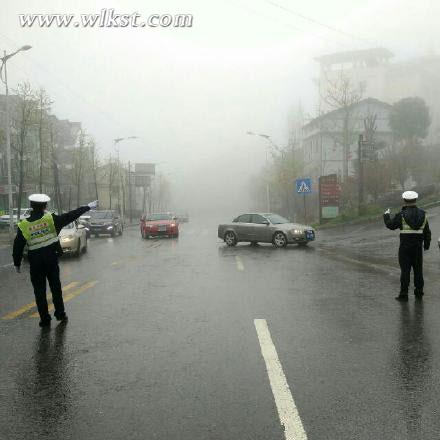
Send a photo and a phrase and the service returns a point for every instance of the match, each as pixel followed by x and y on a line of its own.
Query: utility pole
pixel 3 60
pixel 361 174
pixel 129 192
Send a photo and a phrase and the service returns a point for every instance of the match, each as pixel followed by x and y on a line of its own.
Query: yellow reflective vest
pixel 406 228
pixel 39 233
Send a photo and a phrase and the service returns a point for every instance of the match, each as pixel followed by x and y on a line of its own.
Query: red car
pixel 156 225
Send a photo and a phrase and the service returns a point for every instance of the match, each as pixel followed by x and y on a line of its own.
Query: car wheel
pixel 113 234
pixel 85 247
pixel 96 235
pixel 304 244
pixel 176 235
pixel 230 238
pixel 120 231
pixel 279 240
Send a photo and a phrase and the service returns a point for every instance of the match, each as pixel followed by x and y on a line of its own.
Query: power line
pixel 319 23
pixel 290 26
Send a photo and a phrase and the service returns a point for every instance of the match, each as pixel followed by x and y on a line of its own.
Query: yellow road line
pixel 71 295
pixel 29 306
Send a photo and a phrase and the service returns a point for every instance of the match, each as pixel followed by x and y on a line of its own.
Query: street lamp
pixel 4 78
pixel 269 139
pixel 116 142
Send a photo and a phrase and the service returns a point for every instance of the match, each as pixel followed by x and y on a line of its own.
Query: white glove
pixel 388 211
pixel 93 205
pixel 17 269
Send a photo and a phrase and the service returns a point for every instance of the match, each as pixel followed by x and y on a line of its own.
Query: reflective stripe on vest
pixel 406 228
pixel 39 233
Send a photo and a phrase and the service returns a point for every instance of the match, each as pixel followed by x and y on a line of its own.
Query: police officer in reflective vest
pixel 40 233
pixel 415 236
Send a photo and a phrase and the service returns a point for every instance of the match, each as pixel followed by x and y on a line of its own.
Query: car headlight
pixel 173 225
pixel 297 231
pixel 69 237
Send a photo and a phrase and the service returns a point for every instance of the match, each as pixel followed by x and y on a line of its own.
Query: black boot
pixel 403 297
pixel 45 322
pixel 61 317
pixel 418 294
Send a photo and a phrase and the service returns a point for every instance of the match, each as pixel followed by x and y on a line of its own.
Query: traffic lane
pixel 158 348
pixel 360 365
pixel 374 243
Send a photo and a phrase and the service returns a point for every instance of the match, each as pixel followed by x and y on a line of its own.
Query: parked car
pixel 105 222
pixel 160 224
pixel 265 228
pixel 73 239
pixel 4 219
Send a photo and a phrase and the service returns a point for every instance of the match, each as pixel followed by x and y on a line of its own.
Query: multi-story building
pixel 324 137
pixel 373 73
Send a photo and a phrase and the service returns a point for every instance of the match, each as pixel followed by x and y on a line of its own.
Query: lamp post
pixel 269 139
pixel 116 142
pixel 4 79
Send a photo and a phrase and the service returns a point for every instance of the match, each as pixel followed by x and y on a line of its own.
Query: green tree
pixel 410 120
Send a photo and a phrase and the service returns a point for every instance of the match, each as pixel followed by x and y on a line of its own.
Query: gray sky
pixel 191 94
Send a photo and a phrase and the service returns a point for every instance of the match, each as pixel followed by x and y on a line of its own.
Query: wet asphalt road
pixel 161 342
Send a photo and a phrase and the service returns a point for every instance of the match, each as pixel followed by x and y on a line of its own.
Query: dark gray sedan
pixel 265 228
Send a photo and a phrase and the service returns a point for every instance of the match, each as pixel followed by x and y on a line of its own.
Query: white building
pixel 323 137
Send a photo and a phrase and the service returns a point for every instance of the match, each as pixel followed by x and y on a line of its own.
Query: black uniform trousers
pixel 45 266
pixel 411 256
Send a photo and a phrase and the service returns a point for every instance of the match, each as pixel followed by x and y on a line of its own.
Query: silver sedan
pixel 265 228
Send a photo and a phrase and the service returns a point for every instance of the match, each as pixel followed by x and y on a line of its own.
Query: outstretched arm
pixel 393 222
pixel 68 217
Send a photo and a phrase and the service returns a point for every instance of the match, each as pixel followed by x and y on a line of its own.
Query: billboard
pixel 145 169
pixel 329 196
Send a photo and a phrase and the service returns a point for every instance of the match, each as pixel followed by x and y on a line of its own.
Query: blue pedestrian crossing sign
pixel 304 186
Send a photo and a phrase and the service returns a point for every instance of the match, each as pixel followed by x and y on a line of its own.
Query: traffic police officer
pixel 40 233
pixel 414 236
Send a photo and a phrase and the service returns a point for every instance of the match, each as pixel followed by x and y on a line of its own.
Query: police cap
pixel 410 196
pixel 39 198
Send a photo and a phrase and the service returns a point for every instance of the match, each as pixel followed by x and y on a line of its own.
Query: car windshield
pixel 276 219
pixel 101 215
pixel 154 217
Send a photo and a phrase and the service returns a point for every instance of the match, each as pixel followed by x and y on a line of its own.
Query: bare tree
pixel 43 107
pixel 342 95
pixel 23 121
pixel 80 157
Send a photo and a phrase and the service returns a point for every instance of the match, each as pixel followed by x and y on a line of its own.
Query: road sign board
pixel 145 169
pixel 304 186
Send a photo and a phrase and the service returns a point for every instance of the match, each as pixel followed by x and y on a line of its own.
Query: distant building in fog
pixel 322 137
pixel 372 71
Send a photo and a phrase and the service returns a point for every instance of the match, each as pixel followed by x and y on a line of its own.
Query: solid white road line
pixel 287 412
pixel 240 266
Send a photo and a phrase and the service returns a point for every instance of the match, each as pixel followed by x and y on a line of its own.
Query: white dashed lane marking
pixel 239 263
pixel 287 411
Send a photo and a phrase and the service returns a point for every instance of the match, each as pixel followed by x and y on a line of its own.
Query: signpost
pixel 143 172
pixel 304 187
pixel 329 197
